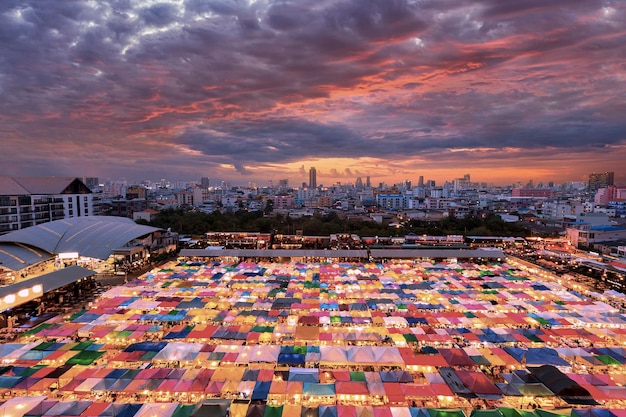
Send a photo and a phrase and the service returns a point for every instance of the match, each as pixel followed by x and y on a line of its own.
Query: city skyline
pixel 264 90
pixel 359 182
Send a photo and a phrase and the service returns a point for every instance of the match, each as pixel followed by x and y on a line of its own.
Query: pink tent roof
pixel 394 392
pixel 351 387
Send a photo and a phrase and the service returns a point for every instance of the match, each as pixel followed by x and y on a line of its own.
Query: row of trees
pixel 197 223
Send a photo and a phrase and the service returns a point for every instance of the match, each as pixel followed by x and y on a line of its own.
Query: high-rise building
pixel 610 193
pixel 312 178
pixel 368 182
pixel 358 184
pixel 204 182
pixel 91 182
pixel 460 184
pixel 599 180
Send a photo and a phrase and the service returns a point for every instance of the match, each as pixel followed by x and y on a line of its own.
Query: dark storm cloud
pixel 273 140
pixel 499 9
pixel 274 81
pixel 159 14
pixel 375 20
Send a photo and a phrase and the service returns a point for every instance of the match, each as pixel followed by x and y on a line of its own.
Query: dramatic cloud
pixel 259 90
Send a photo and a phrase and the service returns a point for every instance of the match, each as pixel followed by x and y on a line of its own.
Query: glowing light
pixel 9 298
pixel 23 293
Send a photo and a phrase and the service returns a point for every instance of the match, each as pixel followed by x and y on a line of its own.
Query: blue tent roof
pixel 544 356
pixel 146 347
pixel 261 390
pixel 291 359
pixel 312 388
pixel 517 353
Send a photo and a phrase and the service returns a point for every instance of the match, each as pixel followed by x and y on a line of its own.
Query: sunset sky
pixel 252 91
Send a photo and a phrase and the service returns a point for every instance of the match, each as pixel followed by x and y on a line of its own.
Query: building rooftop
pixel 91 236
pixel 38 185
pixel 607 228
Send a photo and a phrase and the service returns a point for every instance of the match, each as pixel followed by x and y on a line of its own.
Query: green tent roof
pixel 85 357
pixel 445 412
pixel 608 360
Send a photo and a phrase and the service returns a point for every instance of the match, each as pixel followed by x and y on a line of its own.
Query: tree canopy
pixel 198 223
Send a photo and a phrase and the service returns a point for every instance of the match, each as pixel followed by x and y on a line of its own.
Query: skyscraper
pixel 358 184
pixel 91 182
pixel 599 180
pixel 312 178
pixel 205 182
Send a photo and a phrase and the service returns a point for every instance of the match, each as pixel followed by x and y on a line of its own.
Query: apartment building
pixel 29 201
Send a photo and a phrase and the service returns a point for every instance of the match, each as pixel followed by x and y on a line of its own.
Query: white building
pixel 304 194
pixel 559 210
pixel 594 228
pixel 29 201
pixel 391 201
pixel 200 195
pixel 438 203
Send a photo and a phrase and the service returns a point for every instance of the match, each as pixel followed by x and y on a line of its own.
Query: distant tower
pixel 358 184
pixel 599 180
pixel 312 178
pixel 204 182
pixel 420 182
pixel 368 182
pixel 91 182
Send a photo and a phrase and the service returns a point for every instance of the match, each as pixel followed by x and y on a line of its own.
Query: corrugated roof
pixel 51 281
pixel 275 253
pixel 363 254
pixel 17 256
pixel 436 253
pixel 92 236
pixel 607 228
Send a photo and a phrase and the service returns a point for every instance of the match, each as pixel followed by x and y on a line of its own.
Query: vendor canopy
pixel 563 386
pixel 375 355
pixel 179 351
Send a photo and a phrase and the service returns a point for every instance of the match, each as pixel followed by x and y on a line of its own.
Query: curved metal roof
pixel 16 256
pixel 91 236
